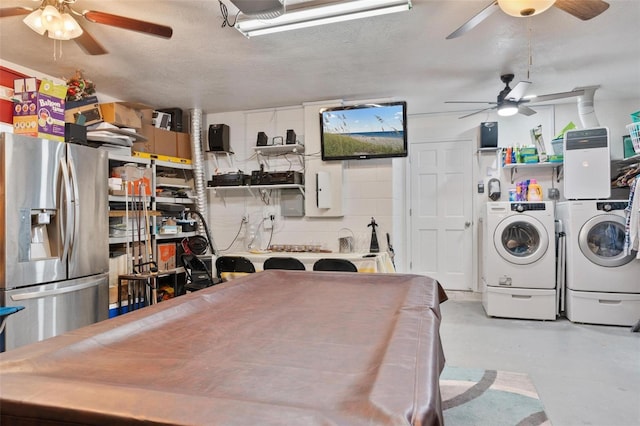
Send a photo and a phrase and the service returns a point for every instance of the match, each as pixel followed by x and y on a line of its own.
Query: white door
pixel 441 212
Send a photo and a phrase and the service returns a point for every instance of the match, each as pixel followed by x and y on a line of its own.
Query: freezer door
pixel 32 211
pixel 56 308
pixel 89 244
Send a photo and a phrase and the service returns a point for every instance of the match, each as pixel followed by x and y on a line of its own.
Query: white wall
pixel 379 188
pixel 364 188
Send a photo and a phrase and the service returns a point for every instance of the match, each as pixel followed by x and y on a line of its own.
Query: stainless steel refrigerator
pixel 55 247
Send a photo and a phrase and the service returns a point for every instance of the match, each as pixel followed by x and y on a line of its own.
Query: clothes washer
pixel 519 268
pixel 602 281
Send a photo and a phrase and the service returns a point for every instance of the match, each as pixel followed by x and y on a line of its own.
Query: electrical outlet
pixel 268 216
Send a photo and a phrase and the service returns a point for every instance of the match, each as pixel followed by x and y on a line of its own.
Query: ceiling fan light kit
pixel 519 8
pixel 319 12
pixel 507 109
pixel 58 19
pixel 581 9
pixel 53 20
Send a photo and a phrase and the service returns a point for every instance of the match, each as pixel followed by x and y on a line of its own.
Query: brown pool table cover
pixel 271 348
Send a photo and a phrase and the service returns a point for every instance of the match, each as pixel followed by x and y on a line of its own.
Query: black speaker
pixel 489 134
pixel 219 137
pixel 291 137
pixel 262 139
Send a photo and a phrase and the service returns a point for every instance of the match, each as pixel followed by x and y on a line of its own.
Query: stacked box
pixel 40 113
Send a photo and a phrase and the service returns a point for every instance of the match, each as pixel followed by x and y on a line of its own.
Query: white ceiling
pixel 403 56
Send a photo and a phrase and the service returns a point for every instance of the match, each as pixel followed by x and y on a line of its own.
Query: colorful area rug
pixel 489 397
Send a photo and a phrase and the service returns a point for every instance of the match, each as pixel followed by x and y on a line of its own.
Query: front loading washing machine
pixel 519 269
pixel 602 280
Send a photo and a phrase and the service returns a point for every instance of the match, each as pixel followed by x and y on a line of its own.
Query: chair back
pixel 198 275
pixel 228 265
pixel 289 263
pixel 341 265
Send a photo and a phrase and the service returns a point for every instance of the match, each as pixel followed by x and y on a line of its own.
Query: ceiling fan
pixel 55 17
pixel 581 9
pixel 511 101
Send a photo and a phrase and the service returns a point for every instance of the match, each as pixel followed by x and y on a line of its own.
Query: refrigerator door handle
pixel 54 292
pixel 76 201
pixel 65 229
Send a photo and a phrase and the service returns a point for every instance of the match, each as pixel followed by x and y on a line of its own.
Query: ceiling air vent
pixel 260 9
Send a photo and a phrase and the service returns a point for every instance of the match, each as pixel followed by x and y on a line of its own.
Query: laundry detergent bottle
pixel 535 191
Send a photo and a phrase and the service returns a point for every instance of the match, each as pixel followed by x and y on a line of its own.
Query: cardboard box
pixel 84 115
pixel 39 113
pixel 183 145
pixel 164 142
pixel 121 115
pixel 166 256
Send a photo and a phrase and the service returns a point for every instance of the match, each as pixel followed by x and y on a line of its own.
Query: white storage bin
pixel 603 308
pixel 523 303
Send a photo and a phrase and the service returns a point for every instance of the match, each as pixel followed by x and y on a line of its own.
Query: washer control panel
pixel 523 207
pixel 608 206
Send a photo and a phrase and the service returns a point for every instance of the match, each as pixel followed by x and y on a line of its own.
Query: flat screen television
pixel 364 131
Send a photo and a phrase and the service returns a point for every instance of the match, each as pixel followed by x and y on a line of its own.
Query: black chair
pixel 289 263
pixel 341 265
pixel 233 264
pixel 198 275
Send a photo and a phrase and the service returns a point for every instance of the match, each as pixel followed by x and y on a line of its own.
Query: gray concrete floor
pixel 584 374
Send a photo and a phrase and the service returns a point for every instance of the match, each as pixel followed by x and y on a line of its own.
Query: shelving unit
pixel 514 167
pixel 264 153
pixel 176 179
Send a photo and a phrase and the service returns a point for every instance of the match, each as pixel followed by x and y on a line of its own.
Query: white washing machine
pixel 519 266
pixel 602 281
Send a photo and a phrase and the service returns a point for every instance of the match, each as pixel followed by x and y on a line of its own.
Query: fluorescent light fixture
pixel 314 13
pixel 507 109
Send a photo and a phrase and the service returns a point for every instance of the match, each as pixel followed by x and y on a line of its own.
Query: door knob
pixel 467 224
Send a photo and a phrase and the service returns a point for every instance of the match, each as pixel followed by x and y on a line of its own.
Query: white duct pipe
pixel 586 110
pixel 195 129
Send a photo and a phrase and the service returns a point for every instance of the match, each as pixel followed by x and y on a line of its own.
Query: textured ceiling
pixel 400 56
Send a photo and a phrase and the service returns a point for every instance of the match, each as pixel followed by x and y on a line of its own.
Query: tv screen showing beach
pixel 364 131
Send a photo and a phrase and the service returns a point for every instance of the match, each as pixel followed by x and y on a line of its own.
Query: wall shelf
pixel 255 190
pixel 514 167
pixel 263 152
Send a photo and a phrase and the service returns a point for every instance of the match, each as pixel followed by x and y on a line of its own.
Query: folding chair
pixel 339 265
pixel 198 275
pixel 228 267
pixel 289 263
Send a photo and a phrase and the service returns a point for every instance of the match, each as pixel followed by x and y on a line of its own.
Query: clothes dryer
pixel 518 275
pixel 602 281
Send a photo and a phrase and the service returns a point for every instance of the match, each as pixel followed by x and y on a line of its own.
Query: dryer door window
pixel 521 241
pixel 601 240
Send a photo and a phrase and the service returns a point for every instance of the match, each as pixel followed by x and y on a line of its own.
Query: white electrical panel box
pixel 323 190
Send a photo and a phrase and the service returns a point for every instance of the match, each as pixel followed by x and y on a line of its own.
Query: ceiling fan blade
pixel 471 23
pixel 582 9
pixel 14 11
pixel 128 23
pixel 518 91
pixel 554 96
pixel 89 44
pixel 470 102
pixel 476 112
pixel 525 110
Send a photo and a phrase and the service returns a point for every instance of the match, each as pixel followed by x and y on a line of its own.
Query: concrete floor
pixel 584 374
